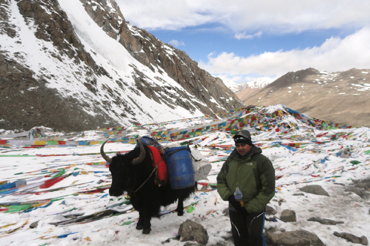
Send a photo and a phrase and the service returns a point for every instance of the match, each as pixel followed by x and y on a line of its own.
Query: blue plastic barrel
pixel 147 140
pixel 150 142
pixel 179 167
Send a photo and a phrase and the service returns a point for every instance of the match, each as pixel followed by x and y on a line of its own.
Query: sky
pixel 241 40
pixel 79 194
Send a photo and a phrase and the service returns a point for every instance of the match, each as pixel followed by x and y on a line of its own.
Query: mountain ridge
pixel 78 65
pixel 340 97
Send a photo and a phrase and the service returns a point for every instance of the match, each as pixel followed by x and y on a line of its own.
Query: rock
pixel 362 184
pixel 34 224
pixel 288 216
pixel 293 238
pixel 352 238
pixel 166 241
pixel 364 240
pixel 226 212
pixel 325 221
pixel 281 200
pixel 360 188
pixel 356 190
pixel 270 210
pixel 315 189
pixel 345 153
pixel 192 231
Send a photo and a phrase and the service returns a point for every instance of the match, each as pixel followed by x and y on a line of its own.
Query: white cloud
pixel 247 15
pixel 162 14
pixel 334 54
pixel 250 19
pixel 243 35
pixel 176 43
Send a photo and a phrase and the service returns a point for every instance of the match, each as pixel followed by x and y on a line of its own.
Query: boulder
pixel 325 221
pixel 288 216
pixel 192 231
pixel 352 238
pixel 315 189
pixel 293 238
pixel 270 210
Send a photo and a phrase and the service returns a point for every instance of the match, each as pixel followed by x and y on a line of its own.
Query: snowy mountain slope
pixel 65 66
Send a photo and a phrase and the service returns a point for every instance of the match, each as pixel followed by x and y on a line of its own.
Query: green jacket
pixel 253 174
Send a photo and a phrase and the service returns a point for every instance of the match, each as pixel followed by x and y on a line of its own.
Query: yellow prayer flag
pixel 40 142
pixel 131 141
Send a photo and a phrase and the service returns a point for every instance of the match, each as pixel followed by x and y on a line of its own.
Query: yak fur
pixel 147 199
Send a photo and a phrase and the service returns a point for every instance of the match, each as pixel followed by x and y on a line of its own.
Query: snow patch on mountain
pixel 260 83
pixel 253 83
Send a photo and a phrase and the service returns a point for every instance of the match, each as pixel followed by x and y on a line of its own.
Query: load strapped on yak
pixel 181 166
pixel 156 151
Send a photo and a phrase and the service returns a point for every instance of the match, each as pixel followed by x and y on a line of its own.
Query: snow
pixel 67 75
pixel 260 82
pixel 314 160
pixel 231 84
pixel 84 191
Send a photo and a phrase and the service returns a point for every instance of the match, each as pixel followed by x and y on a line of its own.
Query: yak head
pixel 128 170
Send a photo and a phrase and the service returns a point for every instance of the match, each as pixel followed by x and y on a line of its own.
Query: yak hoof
pixel 180 213
pixel 139 227
pixel 146 231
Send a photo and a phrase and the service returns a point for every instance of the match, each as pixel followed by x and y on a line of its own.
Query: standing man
pixel 253 173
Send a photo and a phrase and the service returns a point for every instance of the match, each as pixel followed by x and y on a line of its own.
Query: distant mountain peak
pixel 257 83
pixel 341 97
pixel 260 83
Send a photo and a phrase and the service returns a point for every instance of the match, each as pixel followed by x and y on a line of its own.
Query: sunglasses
pixel 240 138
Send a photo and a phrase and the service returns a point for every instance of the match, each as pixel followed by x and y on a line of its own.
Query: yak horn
pixel 142 155
pixel 106 158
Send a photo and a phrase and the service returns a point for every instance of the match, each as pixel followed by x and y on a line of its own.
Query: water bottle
pixel 239 196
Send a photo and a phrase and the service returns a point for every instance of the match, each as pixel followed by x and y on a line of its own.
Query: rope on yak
pixel 146 180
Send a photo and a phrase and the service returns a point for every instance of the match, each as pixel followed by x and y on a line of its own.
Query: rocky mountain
pixel 340 97
pixel 77 64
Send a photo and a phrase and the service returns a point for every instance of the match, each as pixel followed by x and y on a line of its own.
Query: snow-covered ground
pixel 79 198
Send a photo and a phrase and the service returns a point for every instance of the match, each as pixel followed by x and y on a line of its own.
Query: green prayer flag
pixel 17 208
pixel 59 173
pixel 354 162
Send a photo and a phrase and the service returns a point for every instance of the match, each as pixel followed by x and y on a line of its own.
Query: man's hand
pixel 237 205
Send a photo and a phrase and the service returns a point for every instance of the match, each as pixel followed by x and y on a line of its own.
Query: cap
pixel 243 133
pixel 243 136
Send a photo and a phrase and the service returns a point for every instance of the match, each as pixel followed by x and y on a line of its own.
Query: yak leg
pixel 180 207
pixel 140 223
pixel 182 196
pixel 144 223
pixel 147 225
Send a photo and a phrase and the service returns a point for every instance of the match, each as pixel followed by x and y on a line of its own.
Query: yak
pixel 134 172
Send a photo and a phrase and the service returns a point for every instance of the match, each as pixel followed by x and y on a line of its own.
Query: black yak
pixel 134 172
